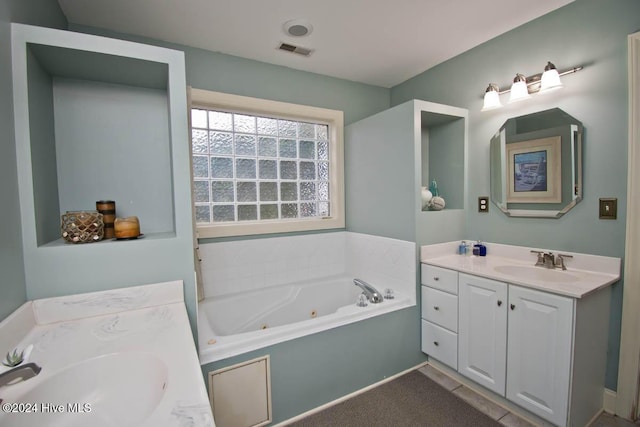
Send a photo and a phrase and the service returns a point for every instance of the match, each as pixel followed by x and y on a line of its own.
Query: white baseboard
pixel 346 397
pixel 609 401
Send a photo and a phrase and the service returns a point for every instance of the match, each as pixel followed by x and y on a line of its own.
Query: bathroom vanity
pixel 533 335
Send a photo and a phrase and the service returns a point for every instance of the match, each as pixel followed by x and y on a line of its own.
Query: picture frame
pixel 534 173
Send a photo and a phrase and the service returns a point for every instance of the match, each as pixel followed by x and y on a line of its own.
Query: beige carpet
pixel 410 400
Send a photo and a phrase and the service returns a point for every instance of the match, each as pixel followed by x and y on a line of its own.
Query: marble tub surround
pixel 248 265
pixel 586 273
pixel 144 321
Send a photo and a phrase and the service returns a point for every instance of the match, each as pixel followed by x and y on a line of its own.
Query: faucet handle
pixel 560 260
pixel 540 260
pixel 362 300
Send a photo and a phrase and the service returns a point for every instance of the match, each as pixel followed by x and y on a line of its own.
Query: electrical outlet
pixel 483 204
pixel 608 208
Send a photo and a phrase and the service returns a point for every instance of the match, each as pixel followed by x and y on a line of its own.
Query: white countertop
pixel 592 272
pixel 148 319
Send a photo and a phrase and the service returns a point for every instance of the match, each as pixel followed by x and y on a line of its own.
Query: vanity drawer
pixel 440 344
pixel 440 278
pixel 440 308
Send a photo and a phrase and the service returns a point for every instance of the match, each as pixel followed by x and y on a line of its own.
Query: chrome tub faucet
pixel 372 294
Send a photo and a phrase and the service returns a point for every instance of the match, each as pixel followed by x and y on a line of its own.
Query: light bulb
pixel 550 78
pixel 519 90
pixel 491 98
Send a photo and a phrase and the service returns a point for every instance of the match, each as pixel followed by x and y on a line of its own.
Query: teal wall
pixel 140 139
pixel 12 280
pixel 43 152
pixel 446 162
pixel 592 33
pixel 379 174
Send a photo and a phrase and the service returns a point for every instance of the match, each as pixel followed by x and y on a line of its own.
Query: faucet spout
pixel 549 260
pixel 22 373
pixel 372 294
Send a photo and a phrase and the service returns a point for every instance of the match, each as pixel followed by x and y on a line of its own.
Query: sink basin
pixel 119 389
pixel 536 273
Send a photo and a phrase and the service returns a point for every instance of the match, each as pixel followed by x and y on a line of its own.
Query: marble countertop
pixel 149 319
pixel 588 272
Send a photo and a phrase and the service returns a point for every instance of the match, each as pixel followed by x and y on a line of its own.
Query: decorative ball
pixel 426 197
pixel 437 203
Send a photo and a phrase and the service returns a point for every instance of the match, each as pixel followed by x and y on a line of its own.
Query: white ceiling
pixel 379 42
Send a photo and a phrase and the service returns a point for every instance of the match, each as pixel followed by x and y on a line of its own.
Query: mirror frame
pixel 498 164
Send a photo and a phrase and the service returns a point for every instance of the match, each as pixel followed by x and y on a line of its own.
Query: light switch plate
pixel 608 208
pixel 483 204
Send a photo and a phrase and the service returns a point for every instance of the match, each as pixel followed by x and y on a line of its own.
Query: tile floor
pixel 500 414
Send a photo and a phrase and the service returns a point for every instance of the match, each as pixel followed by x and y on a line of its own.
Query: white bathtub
pixel 235 324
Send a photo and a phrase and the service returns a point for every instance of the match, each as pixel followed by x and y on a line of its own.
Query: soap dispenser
pixel 462 248
pixel 479 249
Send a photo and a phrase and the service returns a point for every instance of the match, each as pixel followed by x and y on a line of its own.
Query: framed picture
pixel 534 171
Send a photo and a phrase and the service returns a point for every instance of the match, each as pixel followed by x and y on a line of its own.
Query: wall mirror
pixel 536 164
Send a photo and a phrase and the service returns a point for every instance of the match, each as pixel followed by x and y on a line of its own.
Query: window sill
pixel 232 229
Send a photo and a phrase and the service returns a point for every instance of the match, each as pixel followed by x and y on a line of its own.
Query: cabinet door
pixel 539 352
pixel 482 331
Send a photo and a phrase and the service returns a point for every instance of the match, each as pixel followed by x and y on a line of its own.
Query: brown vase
pixel 108 210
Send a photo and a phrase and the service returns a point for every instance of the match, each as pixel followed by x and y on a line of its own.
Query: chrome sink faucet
pixel 23 372
pixel 549 260
pixel 372 294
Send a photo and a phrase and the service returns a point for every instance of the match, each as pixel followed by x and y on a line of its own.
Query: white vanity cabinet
pixel 482 333
pixel 542 351
pixel 531 363
pixel 440 314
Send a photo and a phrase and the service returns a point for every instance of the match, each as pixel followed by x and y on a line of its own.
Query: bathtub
pixel 235 324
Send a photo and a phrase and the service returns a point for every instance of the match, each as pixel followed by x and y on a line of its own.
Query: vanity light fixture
pixel 523 87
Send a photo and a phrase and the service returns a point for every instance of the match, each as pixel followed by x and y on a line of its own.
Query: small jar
pixel 127 228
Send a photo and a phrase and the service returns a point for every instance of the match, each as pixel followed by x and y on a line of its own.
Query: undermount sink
pixel 536 273
pixel 118 389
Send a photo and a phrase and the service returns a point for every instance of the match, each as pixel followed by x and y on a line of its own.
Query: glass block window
pixel 258 168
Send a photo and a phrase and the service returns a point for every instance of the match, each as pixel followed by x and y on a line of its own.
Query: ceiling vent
pixel 295 49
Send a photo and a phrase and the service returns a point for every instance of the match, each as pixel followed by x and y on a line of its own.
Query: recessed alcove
pixel 443 140
pixel 99 129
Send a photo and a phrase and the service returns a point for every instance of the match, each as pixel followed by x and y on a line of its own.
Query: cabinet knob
pixel 499 303
pixel 513 306
pixel 436 343
pixel 436 278
pixel 435 307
